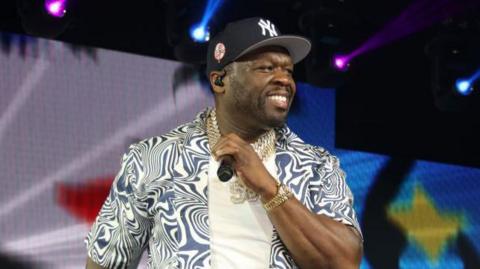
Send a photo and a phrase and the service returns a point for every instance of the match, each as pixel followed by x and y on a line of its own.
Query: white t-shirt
pixel 240 234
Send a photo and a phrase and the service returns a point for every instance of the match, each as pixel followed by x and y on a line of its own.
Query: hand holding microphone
pixel 238 157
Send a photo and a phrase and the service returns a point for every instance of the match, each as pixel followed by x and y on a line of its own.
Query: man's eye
pixel 266 68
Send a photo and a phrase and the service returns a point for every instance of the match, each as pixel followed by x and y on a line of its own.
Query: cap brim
pixel 298 47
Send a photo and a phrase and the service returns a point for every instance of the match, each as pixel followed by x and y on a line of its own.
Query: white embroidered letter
pixel 267 25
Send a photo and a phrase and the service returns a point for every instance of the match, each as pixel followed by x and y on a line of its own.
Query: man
pixel 286 206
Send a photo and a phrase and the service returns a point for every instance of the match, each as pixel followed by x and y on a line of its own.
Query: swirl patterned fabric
pixel 159 199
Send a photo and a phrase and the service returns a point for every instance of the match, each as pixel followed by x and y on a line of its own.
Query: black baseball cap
pixel 243 36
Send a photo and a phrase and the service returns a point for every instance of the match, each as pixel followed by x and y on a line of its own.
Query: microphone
pixel 225 171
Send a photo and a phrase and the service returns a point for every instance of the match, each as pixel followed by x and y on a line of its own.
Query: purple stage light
pixel 419 15
pixel 56 8
pixel 340 62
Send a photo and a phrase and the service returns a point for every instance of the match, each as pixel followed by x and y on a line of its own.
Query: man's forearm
pixel 316 241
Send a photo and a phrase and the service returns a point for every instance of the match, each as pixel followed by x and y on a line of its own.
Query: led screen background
pixel 68 113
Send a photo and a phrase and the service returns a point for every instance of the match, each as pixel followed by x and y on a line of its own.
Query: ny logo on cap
pixel 267 26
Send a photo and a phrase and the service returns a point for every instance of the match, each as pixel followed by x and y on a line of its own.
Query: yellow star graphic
pixel 425 224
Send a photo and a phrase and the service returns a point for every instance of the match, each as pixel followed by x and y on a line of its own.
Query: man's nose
pixel 283 77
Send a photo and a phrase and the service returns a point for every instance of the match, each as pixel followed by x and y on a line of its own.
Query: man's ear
pixel 216 81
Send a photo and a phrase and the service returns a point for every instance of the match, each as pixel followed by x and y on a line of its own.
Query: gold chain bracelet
pixel 283 194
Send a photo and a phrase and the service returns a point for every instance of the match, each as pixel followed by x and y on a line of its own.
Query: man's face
pixel 262 87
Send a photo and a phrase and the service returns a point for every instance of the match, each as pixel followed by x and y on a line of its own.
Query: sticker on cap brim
pixel 219 52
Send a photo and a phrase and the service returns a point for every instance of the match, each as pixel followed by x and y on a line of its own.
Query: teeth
pixel 278 98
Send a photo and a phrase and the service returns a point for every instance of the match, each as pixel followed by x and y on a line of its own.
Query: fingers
pixel 229 138
pixel 226 149
pixel 247 164
pixel 230 144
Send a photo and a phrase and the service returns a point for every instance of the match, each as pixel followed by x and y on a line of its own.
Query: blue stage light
pixel 464 86
pixel 199 33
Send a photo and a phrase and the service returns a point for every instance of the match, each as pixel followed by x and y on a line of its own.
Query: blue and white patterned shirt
pixel 159 199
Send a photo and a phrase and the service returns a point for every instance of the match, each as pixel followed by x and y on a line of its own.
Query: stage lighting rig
pixel 48 18
pixel 182 20
pixel 333 31
pixel 455 60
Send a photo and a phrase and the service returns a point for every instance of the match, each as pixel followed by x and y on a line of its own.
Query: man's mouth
pixel 280 101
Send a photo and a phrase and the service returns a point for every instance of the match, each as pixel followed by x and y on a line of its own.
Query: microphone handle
pixel 225 171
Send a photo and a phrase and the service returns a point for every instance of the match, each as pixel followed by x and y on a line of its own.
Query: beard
pixel 254 107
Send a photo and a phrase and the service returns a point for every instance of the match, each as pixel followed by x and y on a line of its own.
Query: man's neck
pixel 228 125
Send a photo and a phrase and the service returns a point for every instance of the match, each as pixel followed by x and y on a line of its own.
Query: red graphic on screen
pixel 84 200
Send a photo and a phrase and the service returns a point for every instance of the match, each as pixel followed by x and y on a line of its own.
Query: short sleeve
pixel 332 197
pixel 121 230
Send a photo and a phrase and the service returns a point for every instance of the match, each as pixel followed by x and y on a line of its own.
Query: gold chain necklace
pixel 264 147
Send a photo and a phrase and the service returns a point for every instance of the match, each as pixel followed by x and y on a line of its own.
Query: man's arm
pixel 315 241
pixel 122 228
pixel 92 265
